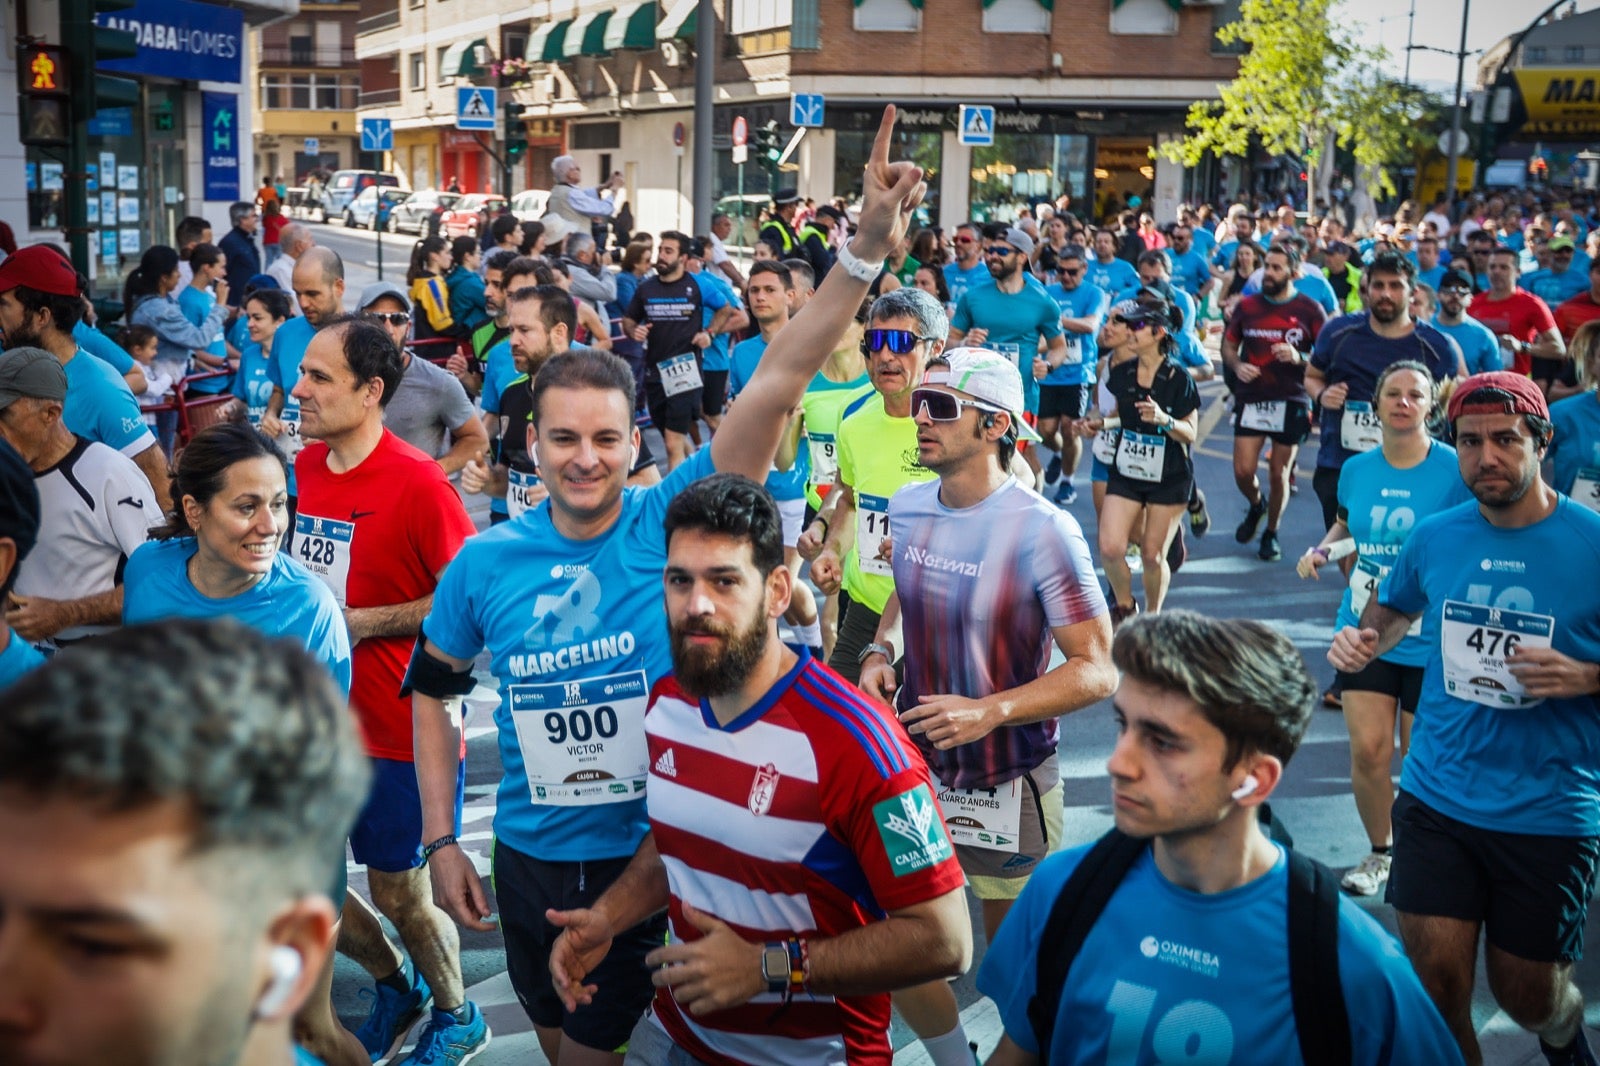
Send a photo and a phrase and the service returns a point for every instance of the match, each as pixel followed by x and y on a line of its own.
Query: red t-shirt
pixel 378 535
pixel 272 225
pixel 1522 314
pixel 1570 314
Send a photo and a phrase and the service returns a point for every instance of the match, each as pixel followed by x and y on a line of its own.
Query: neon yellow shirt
pixel 877 458
pixel 824 405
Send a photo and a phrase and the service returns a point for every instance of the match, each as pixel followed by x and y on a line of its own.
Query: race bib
pixel 1359 430
pixel 1266 416
pixel 322 546
pixel 1012 352
pixel 1586 489
pixel 824 457
pixel 291 442
pixel 984 817
pixel 680 374
pixel 583 742
pixel 1141 456
pixel 872 529
pixel 1074 349
pixel 519 483
pixel 1365 577
pixel 1476 640
pixel 1105 446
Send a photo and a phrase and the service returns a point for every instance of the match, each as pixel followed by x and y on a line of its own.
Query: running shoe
pixel 1366 879
pixel 1252 522
pixel 1066 494
pixel 392 1016
pixel 1577 1053
pixel 1120 614
pixel 1052 473
pixel 1271 551
pixel 447 1042
pixel 1332 698
pixel 1294 483
pixel 1199 517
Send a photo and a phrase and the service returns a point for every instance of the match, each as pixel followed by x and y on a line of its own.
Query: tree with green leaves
pixel 1305 85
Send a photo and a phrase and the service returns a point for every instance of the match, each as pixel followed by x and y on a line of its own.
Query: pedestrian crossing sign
pixel 977 124
pixel 475 107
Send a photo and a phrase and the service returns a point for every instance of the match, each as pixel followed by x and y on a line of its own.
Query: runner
pixel 500 366
pixel 967 270
pixel 1521 320
pixel 1158 409
pixel 1267 342
pixel 772 959
pixel 1382 495
pixel 1208 713
pixel 716 360
pixel 1480 348
pixel 877 458
pixel 665 316
pixel 319 288
pixel 378 521
pixel 1575 449
pixel 989 582
pixel 1497 823
pixel 1064 393
pixel 589 561
pixel 19 532
pixel 265 311
pixel 1106 272
pixel 236 773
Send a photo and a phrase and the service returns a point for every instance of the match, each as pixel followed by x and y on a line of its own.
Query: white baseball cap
pixel 986 376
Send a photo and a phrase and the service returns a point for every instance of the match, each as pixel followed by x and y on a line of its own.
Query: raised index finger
pixel 879 159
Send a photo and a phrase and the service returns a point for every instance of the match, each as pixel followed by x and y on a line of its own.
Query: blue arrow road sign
pixel 805 109
pixel 475 107
pixel 977 124
pixel 377 135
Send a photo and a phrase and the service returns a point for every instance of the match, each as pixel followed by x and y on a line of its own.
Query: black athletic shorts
pixel 1064 401
pixel 1296 424
pixel 1160 493
pixel 1530 892
pixel 525 887
pixel 1404 683
pixel 675 413
pixel 715 393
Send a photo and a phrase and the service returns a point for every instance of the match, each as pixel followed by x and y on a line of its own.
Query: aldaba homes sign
pixel 180 39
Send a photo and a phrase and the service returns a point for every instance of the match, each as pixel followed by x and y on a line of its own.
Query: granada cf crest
pixel 762 790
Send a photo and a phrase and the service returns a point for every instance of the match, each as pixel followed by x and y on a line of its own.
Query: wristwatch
pixel 856 267
pixel 881 649
pixel 775 966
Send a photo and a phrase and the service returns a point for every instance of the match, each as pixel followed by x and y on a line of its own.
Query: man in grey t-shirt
pixel 429 401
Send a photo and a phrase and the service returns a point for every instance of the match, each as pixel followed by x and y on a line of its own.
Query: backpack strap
pixel 1321 1021
pixel 1072 916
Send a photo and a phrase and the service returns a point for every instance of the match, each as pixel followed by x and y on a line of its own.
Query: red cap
pixel 39 268
pixel 1526 399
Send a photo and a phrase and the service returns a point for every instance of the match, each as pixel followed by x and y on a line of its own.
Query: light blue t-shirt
pixel 101 407
pixel 576 635
pixel 1479 346
pixel 1383 505
pixel 196 305
pixel 289 602
pixel 1222 254
pixel 499 371
pixel 1575 448
pixel 283 368
pixel 1555 288
pixel 1500 765
pixel 1432 278
pixel 17 658
pixel 1016 322
pixel 1086 301
pixel 960 282
pixel 1190 271
pixel 1191 354
pixel 101 346
pixel 1110 278
pixel 253 382
pixel 1168 975
pixel 715 293
pixel 787 484
pixel 1205 242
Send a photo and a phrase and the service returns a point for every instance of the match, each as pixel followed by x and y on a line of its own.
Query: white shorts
pixel 794 516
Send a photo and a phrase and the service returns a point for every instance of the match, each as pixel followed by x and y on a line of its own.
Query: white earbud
pixel 286 965
pixel 1247 787
pixel 633 457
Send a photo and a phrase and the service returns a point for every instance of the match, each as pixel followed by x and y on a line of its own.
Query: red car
pixel 466 216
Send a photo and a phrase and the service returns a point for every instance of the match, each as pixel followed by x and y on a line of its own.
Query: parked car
pixel 373 206
pixel 529 204
pixel 421 212
pixel 345 185
pixel 745 213
pixel 464 215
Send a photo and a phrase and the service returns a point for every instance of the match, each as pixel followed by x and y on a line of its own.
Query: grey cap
pixel 1019 240
pixel 378 290
pixel 31 372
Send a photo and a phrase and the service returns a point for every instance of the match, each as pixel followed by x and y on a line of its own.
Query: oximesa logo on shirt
pixel 1181 955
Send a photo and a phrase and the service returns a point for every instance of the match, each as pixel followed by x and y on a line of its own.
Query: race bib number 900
pixel 583 742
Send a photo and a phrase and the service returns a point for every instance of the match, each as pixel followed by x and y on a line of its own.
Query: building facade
pixel 306 85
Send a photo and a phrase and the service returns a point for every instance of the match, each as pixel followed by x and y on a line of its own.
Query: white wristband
pixel 855 267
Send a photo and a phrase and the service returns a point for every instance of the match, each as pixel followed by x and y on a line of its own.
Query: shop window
pixel 852 147
pixel 1147 18
pixel 1016 16
pixel 419 70
pixel 901 16
pixel 1022 169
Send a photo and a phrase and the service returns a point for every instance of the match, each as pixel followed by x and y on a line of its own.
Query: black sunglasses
pixel 898 341
pixel 944 406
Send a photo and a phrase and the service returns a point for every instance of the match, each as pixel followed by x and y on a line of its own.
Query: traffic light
pixel 516 132
pixel 88 44
pixel 769 145
pixel 42 83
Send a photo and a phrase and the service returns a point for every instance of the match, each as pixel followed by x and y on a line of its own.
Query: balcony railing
pixel 375 97
pixel 381 21
pixel 291 56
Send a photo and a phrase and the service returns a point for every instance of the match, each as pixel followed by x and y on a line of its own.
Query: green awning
pixel 632 25
pixel 548 41
pixel 461 59
pixel 587 37
pixel 680 21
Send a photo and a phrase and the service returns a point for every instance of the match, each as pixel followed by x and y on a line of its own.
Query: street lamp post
pixel 1455 116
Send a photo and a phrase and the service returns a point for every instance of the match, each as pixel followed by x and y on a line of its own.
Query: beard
pixel 1386 311
pixel 1273 286
pixel 706 672
pixel 23 337
pixel 1514 491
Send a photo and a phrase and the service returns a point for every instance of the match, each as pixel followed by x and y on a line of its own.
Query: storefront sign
pixel 112 122
pixel 221 133
pixel 180 39
pixel 1040 121
pixel 1558 103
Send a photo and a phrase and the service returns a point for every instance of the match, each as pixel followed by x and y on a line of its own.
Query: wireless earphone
pixel 286 965
pixel 1247 788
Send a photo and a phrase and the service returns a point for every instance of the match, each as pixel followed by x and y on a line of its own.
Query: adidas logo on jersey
pixel 667 766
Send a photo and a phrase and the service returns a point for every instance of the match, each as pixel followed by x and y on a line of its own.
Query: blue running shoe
pixel 1067 494
pixel 393 1014
pixel 447 1042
